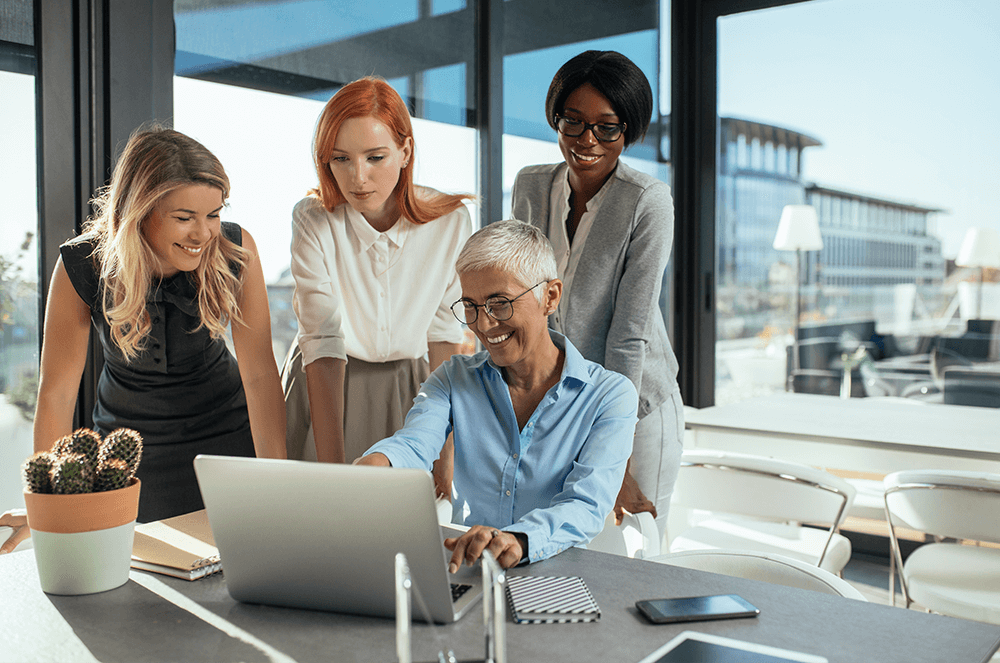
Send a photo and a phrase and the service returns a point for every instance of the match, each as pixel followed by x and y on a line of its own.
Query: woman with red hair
pixel 373 257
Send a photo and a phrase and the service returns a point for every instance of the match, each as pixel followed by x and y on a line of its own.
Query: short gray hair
pixel 510 246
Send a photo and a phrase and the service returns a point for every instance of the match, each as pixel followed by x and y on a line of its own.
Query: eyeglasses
pixel 498 308
pixel 606 132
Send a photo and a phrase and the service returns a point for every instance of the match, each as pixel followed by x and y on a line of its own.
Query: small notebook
pixel 551 599
pixel 182 546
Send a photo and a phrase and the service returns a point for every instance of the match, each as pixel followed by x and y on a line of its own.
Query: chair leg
pixel 892 578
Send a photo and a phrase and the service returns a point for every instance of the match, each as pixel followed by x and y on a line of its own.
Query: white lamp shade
pixel 798 229
pixel 980 248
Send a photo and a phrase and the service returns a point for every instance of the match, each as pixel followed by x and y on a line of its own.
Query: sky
pixel 903 94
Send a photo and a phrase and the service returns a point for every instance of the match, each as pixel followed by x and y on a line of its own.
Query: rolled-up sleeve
pixel 316 300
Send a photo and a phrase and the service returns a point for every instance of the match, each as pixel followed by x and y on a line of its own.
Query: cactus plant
pixel 82 463
pixel 83 441
pixel 112 474
pixel 71 474
pixel 124 444
pixel 37 472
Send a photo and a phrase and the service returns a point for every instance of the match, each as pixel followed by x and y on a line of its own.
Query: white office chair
pixel 759 503
pixel 443 507
pixel 950 577
pixel 768 567
pixel 637 536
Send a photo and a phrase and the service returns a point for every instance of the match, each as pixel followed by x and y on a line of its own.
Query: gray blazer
pixel 612 314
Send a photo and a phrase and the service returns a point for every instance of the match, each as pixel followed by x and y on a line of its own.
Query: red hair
pixel 373 97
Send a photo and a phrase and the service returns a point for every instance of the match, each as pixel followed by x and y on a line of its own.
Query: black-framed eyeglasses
pixel 498 308
pixel 606 132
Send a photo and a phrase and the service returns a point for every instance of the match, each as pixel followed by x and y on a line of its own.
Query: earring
pixel 406 163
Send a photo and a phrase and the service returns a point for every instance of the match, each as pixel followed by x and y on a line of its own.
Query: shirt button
pixel 531 424
pixel 508 492
pixel 515 455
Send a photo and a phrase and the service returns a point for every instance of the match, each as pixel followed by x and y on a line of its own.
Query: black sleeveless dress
pixel 183 393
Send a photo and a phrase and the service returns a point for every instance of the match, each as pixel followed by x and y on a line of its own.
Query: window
pixel 19 310
pixel 873 173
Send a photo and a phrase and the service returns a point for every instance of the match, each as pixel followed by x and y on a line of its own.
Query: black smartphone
pixel 696 608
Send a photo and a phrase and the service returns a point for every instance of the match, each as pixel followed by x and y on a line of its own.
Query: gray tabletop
pixel 158 618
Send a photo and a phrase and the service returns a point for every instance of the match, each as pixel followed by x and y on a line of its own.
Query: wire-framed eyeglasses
pixel 498 308
pixel 606 132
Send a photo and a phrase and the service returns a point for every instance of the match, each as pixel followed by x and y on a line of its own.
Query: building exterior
pixel 870 243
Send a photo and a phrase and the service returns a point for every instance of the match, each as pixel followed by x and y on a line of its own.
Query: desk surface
pixel 157 618
pixel 925 428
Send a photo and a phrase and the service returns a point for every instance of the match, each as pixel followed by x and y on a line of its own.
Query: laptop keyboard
pixel 458 590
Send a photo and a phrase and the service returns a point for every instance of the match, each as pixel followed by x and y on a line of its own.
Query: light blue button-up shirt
pixel 556 479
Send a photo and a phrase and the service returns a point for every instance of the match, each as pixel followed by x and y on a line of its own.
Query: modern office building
pixel 869 243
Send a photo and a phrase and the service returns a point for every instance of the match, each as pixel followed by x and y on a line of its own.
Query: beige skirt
pixel 376 400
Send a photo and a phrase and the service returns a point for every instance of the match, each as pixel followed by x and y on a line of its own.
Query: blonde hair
pixel 373 97
pixel 156 162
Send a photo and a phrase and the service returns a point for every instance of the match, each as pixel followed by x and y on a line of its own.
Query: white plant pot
pixel 83 543
pixel 84 562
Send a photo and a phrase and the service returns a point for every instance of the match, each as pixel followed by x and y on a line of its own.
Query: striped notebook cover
pixel 550 599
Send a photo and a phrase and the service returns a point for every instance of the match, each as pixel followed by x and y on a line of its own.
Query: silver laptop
pixel 322 536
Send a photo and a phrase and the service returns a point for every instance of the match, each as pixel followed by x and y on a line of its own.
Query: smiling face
pixel 182 225
pixel 590 161
pixel 517 342
pixel 365 162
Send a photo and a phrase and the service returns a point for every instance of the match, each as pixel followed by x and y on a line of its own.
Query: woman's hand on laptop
pixel 17 521
pixel 505 546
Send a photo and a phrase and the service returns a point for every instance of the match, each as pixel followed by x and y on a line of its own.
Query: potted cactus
pixel 82 500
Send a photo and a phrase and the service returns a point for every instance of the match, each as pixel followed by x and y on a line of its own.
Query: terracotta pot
pixel 83 543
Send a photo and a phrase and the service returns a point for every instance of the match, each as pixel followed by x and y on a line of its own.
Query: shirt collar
pixel 367 236
pixel 563 189
pixel 574 365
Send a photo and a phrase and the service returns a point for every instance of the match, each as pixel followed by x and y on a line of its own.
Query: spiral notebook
pixel 551 599
pixel 182 546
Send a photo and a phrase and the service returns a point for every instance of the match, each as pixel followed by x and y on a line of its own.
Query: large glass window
pixel 886 111
pixel 18 250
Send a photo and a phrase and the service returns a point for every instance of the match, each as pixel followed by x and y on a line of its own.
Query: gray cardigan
pixel 612 314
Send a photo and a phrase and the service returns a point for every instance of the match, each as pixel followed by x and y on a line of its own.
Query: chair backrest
pixel 768 567
pixel 760 487
pixel 961 505
pixel 637 536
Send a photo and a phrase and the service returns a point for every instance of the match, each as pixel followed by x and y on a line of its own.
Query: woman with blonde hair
pixel 373 257
pixel 161 278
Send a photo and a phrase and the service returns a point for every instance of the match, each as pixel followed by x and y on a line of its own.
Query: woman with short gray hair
pixel 542 435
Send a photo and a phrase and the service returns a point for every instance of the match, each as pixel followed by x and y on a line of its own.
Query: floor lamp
pixel 980 248
pixel 798 231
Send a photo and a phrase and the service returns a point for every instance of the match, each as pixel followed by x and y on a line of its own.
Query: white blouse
pixel 377 296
